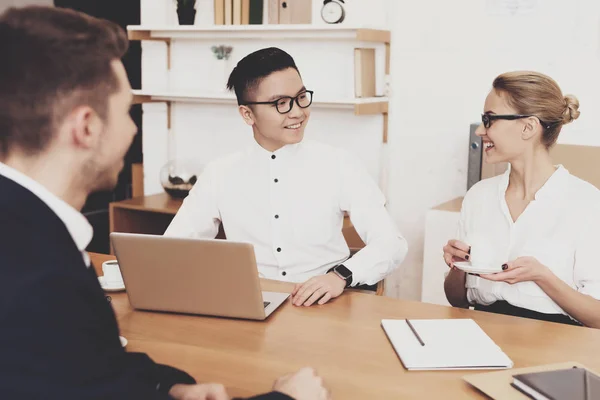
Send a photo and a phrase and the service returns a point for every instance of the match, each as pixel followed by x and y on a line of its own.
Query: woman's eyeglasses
pixel 487 119
pixel 285 104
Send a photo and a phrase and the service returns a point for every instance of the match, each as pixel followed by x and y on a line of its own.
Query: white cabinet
pixel 441 224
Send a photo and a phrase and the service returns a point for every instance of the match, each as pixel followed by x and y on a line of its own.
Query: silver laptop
pixel 208 277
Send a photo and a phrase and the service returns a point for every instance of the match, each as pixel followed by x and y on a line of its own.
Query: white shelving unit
pixel 361 106
pixel 358 35
pixel 188 113
pixel 259 32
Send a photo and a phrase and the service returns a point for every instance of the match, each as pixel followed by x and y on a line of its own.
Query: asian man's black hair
pixel 253 68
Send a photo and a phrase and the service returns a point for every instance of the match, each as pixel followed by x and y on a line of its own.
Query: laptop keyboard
pixel 266 304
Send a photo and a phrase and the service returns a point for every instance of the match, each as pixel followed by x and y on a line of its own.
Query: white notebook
pixel 449 344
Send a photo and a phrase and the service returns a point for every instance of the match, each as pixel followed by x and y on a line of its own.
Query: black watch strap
pixel 342 271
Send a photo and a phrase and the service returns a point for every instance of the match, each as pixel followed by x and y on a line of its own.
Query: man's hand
pixel 209 391
pixel 323 287
pixel 303 385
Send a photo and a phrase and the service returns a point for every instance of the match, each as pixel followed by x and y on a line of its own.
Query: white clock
pixel 333 11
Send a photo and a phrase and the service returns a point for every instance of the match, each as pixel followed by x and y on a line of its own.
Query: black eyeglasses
pixel 285 104
pixel 487 119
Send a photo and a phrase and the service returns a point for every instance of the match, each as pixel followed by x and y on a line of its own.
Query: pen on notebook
pixel 412 328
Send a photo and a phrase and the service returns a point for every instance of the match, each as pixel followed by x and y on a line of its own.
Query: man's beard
pixel 98 178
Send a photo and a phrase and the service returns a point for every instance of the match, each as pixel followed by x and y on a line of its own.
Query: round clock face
pixel 332 12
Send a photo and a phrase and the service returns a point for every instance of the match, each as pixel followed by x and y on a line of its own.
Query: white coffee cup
pixel 112 273
pixel 482 253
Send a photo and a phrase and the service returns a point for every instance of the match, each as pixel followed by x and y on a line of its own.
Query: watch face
pixel 332 12
pixel 343 271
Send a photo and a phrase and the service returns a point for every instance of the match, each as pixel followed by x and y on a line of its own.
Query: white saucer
pixel 123 341
pixel 111 288
pixel 479 269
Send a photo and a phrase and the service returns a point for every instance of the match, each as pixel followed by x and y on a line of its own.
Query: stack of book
pixel 251 12
pixel 364 72
pixel 238 12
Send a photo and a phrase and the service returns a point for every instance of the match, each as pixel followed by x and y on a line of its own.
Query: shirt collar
pixel 552 187
pixel 78 226
pixel 285 151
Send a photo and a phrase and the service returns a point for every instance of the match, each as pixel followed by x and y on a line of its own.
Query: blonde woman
pixel 539 222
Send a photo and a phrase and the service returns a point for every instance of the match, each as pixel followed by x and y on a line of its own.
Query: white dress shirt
pixel 290 205
pixel 78 226
pixel 560 228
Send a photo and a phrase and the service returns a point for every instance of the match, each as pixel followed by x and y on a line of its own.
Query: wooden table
pixel 153 214
pixel 343 340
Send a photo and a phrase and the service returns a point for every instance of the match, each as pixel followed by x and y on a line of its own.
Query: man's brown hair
pixel 55 59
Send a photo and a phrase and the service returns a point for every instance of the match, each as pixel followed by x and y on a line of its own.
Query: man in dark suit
pixel 64 130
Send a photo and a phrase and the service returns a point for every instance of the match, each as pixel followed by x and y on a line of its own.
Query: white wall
pixel 445 55
pixel 4 4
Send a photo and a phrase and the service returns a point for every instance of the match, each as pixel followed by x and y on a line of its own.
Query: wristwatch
pixel 343 272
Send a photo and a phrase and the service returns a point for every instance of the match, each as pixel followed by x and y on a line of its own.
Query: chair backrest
pixel 581 161
pixel 378 288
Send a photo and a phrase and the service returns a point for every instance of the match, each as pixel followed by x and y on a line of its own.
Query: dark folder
pixel 564 384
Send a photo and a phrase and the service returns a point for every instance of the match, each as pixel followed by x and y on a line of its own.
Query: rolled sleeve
pixel 365 204
pixel 199 215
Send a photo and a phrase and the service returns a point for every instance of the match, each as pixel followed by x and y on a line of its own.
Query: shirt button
pixel 273 157
pixel 284 273
pixel 279 249
pixel 276 216
pixel 276 180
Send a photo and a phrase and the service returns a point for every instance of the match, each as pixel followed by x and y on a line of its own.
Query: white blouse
pixel 560 228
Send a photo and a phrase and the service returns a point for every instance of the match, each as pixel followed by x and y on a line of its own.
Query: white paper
pixel 449 344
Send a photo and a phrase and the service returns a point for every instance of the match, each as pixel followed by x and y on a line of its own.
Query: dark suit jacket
pixel 59 338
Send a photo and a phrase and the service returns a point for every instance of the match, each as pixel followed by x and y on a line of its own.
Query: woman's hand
pixel 523 269
pixel 455 251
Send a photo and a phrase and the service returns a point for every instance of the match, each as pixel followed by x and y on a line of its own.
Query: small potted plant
pixel 178 176
pixel 186 11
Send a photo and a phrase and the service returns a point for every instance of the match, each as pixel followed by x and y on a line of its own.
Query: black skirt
pixel 503 307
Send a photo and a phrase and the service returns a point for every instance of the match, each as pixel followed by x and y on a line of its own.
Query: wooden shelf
pixel 360 106
pixel 254 32
pixel 160 203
